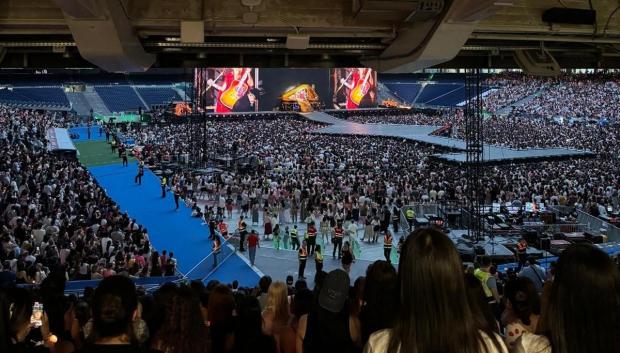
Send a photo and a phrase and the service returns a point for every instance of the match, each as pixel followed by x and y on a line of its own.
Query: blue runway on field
pixel 82 132
pixel 168 229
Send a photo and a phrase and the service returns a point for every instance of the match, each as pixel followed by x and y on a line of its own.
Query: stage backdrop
pixel 223 90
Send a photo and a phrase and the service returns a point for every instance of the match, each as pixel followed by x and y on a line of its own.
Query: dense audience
pixel 54 216
pixel 509 88
pixel 429 305
pixel 298 173
pixel 57 224
pixel 579 96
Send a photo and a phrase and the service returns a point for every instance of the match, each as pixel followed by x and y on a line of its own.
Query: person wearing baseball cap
pixel 329 326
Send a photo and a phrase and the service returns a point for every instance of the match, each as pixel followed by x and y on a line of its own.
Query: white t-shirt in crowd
pixel 531 343
pixel 380 340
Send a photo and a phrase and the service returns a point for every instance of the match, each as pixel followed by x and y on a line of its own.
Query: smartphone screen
pixel 37 315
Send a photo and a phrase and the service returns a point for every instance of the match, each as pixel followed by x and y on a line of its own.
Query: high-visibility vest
pixel 318 257
pixel 223 228
pixel 483 277
pixel 312 232
pixel 164 181
pixel 241 226
pixel 409 213
pixel 338 232
pixel 303 253
pixel 387 241
pixel 294 233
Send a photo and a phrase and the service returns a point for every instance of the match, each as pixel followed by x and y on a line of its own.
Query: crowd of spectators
pixel 578 96
pixel 401 117
pixel 54 215
pixel 431 304
pixel 511 87
pixel 300 174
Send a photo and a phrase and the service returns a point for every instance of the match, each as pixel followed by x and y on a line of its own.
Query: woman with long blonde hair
pixel 277 318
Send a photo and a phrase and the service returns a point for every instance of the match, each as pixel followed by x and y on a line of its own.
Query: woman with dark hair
pixel 15 312
pixel 479 304
pixel 249 336
pixel 155 266
pixel 434 314
pixel 522 309
pixel 183 329
pixel 380 298
pixel 329 326
pixel 347 256
pixel 582 314
pixel 220 319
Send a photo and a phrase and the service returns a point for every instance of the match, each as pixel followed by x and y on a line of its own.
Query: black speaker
pixel 570 16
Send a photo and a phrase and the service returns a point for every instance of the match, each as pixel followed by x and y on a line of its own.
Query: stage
pixel 422 133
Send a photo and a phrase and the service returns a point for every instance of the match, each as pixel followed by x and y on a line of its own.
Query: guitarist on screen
pixel 359 88
pixel 233 85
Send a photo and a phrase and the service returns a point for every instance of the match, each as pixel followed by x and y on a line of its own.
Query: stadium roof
pixel 391 35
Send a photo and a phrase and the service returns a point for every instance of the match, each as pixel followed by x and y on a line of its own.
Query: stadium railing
pixel 210 263
pixel 78 287
pixel 599 226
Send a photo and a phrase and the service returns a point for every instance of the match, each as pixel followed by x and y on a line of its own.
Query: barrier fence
pixel 598 226
pixel 214 259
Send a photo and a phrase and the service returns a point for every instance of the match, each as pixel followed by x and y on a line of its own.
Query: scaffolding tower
pixel 474 142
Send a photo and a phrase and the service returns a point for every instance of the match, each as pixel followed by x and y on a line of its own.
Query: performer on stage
pixel 236 78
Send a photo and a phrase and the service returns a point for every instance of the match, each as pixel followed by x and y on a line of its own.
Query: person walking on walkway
pixel 177 195
pixel 138 178
pixel 164 184
pixel 286 240
pixel 311 238
pixel 253 244
pixel 124 157
pixel 303 257
pixel 242 226
pixel 276 237
pixel 337 240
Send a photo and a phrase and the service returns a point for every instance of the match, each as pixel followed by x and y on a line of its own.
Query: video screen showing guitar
pixel 354 88
pixel 225 90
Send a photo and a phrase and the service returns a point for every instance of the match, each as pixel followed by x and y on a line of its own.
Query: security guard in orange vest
pixel 337 240
pixel 303 257
pixel 387 246
pixel 311 238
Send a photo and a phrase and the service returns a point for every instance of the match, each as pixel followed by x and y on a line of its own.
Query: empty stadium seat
pixel 119 98
pixel 158 95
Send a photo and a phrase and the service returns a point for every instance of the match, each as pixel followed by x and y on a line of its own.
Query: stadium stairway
pixel 140 97
pixel 507 109
pixel 384 93
pixel 181 93
pixel 79 103
pixel 95 102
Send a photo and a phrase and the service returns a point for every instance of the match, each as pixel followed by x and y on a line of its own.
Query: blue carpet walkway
pixel 168 229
